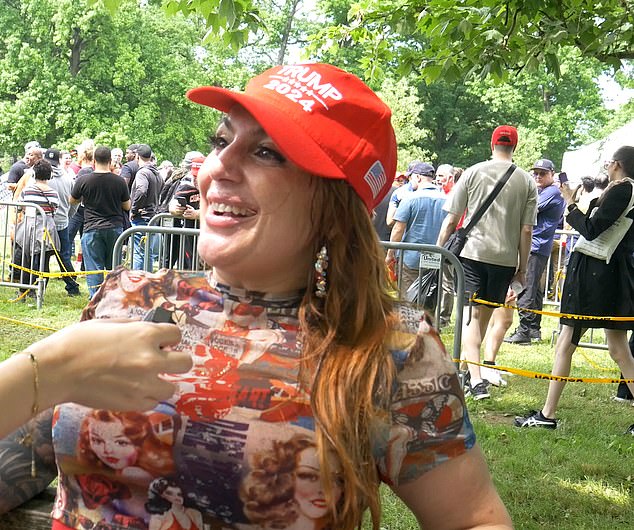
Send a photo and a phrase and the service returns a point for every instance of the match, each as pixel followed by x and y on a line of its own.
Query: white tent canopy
pixel 588 160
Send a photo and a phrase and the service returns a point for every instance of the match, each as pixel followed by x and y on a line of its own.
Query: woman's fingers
pixel 176 362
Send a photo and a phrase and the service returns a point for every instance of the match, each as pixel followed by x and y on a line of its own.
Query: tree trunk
pixel 290 16
pixel 75 52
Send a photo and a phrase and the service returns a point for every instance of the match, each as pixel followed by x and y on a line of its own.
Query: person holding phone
pixel 595 287
pixel 186 201
pixel 186 204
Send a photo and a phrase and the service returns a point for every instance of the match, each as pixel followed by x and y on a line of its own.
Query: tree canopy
pixel 482 38
pixel 117 70
pixel 461 38
pixel 71 71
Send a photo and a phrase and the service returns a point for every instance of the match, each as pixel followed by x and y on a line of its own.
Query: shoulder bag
pixel 458 239
pixel 603 246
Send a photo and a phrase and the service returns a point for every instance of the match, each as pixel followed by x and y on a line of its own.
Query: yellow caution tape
pixel 550 377
pixel 551 313
pixel 29 324
pixel 595 365
pixel 53 274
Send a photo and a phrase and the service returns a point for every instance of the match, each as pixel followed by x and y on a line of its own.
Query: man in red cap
pixel 498 245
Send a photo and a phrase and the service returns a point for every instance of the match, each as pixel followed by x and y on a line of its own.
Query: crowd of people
pixel 507 252
pixel 97 195
pixel 297 383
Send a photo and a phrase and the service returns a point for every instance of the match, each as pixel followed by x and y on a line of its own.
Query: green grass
pixel 580 476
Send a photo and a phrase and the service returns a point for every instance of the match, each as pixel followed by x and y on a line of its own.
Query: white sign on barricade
pixel 429 260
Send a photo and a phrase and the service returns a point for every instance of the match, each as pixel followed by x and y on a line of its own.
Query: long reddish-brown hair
pixel 351 372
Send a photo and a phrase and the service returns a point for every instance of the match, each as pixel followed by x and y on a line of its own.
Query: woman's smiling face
pixel 255 210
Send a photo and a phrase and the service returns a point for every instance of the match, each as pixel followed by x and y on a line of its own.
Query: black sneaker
pixel 518 338
pixel 535 419
pixel 535 334
pixel 630 430
pixel 479 391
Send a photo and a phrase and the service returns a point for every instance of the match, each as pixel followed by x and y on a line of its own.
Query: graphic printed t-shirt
pixel 236 441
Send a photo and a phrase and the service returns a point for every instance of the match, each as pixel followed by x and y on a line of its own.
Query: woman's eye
pixel 270 154
pixel 308 476
pixel 218 142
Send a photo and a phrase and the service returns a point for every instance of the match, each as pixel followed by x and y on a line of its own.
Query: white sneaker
pixel 493 376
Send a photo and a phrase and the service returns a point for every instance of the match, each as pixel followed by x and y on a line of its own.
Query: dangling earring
pixel 320 272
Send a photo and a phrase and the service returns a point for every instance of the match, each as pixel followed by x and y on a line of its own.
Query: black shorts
pixel 488 282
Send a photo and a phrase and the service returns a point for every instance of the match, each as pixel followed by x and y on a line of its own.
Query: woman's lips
pixel 227 213
pixel 223 208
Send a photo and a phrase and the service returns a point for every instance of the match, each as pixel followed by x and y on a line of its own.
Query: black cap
pixel 544 163
pixel 52 155
pixel 144 151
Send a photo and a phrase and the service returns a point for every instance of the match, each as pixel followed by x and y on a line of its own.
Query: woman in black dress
pixel 595 287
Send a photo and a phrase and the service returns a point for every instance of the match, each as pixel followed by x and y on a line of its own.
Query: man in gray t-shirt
pixel 498 246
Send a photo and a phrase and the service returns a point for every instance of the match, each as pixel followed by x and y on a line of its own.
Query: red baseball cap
pixel 504 135
pixel 325 120
pixel 197 163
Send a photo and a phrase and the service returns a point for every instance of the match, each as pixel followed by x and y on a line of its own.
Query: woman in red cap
pixel 293 333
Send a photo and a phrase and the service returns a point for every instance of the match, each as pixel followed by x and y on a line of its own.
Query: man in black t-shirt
pixel 17 170
pixel 106 199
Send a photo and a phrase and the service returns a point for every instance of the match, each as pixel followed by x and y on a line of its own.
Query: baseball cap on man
pixel 420 168
pixel 325 120
pixel 31 144
pixel 197 164
pixel 544 163
pixel 52 155
pixel 144 151
pixel 189 158
pixel 504 135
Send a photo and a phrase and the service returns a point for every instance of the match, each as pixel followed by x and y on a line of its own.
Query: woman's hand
pixel 567 193
pixel 109 364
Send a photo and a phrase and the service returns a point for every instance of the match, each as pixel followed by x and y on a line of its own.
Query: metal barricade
pixel 556 267
pixel 20 263
pixel 428 262
pixel 124 248
pixel 176 248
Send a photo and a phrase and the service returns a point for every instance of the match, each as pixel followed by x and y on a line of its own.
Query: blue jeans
pixel 75 225
pixel 140 240
pixel 65 264
pixel 97 247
